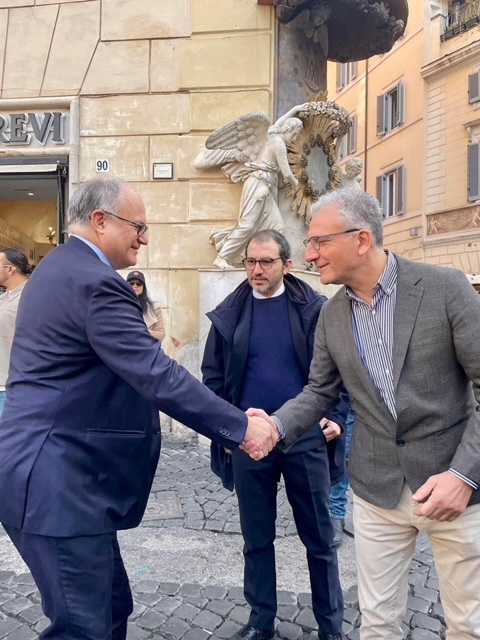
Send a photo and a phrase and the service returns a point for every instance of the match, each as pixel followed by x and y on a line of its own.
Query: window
pixel 474 87
pixel 348 144
pixel 391 192
pixel 346 72
pixel 391 109
pixel 473 189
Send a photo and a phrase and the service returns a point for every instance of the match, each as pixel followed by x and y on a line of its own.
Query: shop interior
pixel 31 210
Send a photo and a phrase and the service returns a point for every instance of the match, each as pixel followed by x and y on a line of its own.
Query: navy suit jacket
pixel 80 433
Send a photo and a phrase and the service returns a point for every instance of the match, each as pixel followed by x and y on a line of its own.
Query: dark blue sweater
pixel 273 373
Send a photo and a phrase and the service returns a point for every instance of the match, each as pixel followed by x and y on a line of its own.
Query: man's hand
pixel 261 436
pixel 443 497
pixel 330 429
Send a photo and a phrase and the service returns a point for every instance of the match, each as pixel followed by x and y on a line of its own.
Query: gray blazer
pixel 436 366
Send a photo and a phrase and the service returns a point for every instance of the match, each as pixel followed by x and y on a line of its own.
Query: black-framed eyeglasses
pixel 136 283
pixel 265 263
pixel 141 228
pixel 317 241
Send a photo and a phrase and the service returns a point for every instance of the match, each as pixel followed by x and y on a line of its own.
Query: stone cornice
pixel 452 60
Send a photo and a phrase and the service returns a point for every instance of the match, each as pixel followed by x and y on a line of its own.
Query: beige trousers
pixel 384 546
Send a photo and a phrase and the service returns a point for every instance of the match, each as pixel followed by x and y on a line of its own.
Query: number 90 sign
pixel 102 166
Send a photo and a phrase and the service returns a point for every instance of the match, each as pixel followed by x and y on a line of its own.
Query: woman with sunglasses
pixel 152 313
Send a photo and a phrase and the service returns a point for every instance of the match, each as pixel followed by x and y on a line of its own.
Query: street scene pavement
pixel 186 567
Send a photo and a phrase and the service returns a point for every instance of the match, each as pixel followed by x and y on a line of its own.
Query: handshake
pixel 261 435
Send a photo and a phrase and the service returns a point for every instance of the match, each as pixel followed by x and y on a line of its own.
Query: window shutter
pixel 379 192
pixel 400 188
pixel 381 115
pixel 473 172
pixel 474 87
pixel 354 70
pixel 352 137
pixel 401 102
pixel 339 76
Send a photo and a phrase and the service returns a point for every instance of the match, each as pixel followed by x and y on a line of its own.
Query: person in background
pixel 14 272
pixel 152 312
pixel 258 354
pixel 338 492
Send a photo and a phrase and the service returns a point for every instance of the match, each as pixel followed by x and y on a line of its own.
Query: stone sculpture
pixel 250 150
pixel 351 177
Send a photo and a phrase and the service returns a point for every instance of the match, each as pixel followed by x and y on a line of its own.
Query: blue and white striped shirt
pixel 373 331
pixel 373 334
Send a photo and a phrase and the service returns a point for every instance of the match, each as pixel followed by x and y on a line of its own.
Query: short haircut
pixel 271 234
pixel 359 210
pixel 96 194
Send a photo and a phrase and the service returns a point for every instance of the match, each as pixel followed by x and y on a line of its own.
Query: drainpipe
pixel 365 163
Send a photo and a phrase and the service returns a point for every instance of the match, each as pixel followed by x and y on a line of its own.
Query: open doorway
pixel 32 204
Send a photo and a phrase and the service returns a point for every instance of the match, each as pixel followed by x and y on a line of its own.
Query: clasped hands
pixel 261 435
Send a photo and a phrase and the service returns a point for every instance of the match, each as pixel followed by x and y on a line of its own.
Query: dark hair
pixel 145 302
pixel 271 234
pixel 18 260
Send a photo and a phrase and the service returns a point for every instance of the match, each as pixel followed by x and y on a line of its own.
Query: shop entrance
pixel 33 197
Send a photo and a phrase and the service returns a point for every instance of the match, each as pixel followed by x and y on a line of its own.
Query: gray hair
pixel 264 236
pixel 96 194
pixel 357 208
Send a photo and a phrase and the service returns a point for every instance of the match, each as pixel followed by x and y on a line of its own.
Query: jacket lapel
pixel 409 296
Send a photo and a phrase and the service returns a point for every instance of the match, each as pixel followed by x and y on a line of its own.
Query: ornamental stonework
pixel 451 221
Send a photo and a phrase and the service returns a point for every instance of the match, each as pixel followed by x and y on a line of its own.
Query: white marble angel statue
pixel 251 151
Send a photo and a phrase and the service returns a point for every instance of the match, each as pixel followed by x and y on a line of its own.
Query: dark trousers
pixel 83 583
pixel 307 484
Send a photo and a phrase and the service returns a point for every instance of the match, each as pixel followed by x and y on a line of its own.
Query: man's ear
pixel 97 219
pixel 365 241
pixel 287 266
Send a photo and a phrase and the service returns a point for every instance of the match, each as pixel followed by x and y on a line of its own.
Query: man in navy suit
pixel 80 434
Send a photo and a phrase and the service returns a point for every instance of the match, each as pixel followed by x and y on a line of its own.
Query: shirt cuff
pixel 464 478
pixel 280 427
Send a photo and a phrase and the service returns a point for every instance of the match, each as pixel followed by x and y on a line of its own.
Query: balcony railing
pixel 460 19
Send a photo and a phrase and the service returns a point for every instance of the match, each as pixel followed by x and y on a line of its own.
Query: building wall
pixel 153 78
pixel 439 224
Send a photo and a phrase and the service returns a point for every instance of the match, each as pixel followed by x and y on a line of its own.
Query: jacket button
pixel 224 432
pixel 400 443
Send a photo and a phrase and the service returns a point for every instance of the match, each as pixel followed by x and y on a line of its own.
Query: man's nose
pixel 257 268
pixel 143 239
pixel 311 254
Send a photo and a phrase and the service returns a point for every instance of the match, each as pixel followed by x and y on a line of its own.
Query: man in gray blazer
pixel 403 337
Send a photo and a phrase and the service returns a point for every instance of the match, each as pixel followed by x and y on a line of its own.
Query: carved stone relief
pixel 450 221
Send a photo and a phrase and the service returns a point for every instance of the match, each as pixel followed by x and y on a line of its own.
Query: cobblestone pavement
pixel 185 495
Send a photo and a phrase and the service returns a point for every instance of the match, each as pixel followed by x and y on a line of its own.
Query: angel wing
pixel 235 143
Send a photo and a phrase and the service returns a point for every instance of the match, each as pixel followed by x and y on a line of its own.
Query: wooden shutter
pixel 339 76
pixel 379 192
pixel 401 102
pixel 400 190
pixel 353 70
pixel 473 172
pixel 474 87
pixel 381 115
pixel 352 136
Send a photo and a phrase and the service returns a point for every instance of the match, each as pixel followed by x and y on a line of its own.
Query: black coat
pixel 226 353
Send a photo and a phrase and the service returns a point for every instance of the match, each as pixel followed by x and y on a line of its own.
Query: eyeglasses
pixel 265 263
pixel 136 283
pixel 317 241
pixel 141 228
pixel 6 266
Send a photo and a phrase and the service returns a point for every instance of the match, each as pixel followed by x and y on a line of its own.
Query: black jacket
pixel 226 353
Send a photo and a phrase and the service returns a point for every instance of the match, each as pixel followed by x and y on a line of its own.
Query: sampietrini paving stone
pixel 186 494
